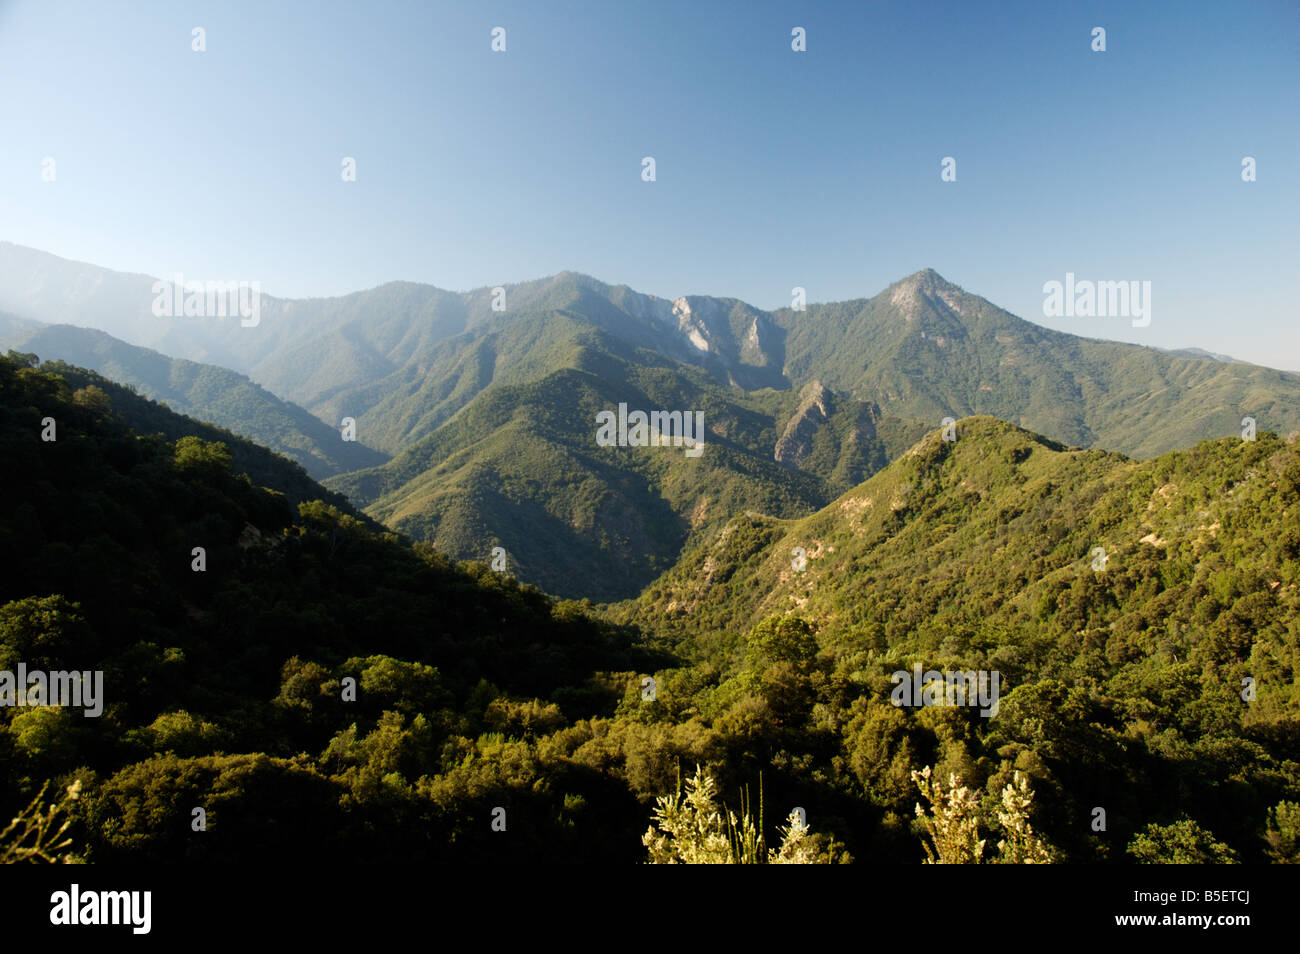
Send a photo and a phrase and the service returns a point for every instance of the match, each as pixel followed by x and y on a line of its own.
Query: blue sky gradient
pixel 774 168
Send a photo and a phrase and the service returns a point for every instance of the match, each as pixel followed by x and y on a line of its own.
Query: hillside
pixel 520 468
pixel 145 417
pixel 1124 678
pixel 926 349
pixel 995 531
pixel 206 392
pixel 217 682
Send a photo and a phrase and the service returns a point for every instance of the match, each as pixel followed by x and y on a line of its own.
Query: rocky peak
pixel 927 291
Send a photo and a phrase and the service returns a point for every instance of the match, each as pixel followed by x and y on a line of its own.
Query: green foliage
pixel 37 630
pixel 93 398
pixel 782 639
pixel 205 392
pixel 312 446
pixel 196 457
pixel 223 688
pixel 145 811
pixel 1120 688
pixel 46 732
pixel 1183 843
pixel 184 734
pixel 1283 834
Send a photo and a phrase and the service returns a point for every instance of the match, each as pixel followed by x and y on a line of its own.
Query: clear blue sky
pixel 774 168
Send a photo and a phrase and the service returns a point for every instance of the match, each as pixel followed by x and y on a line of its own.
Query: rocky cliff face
pixel 738 341
pixel 814 410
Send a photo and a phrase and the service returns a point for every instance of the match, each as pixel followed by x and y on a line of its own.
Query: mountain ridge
pixel 218 395
pixel 423 373
pixel 923 543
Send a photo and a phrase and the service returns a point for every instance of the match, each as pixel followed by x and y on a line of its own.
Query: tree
pixel 1283 834
pixel 782 639
pixel 204 459
pixel 24 359
pixel 1183 843
pixel 42 631
pixel 93 398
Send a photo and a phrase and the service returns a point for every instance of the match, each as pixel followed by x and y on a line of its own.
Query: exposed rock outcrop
pixel 814 410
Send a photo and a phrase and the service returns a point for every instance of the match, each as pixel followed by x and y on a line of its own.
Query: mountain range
pixel 488 415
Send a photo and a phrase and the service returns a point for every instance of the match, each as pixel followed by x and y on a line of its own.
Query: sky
pixel 773 168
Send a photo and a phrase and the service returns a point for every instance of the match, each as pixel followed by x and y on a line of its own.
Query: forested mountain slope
pixel 219 679
pixel 520 468
pixel 1144 617
pixel 223 397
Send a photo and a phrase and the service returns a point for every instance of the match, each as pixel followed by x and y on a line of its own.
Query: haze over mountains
pixel 489 416
pixel 204 391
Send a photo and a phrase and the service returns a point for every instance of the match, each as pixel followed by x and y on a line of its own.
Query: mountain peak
pixel 924 292
pixel 925 282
